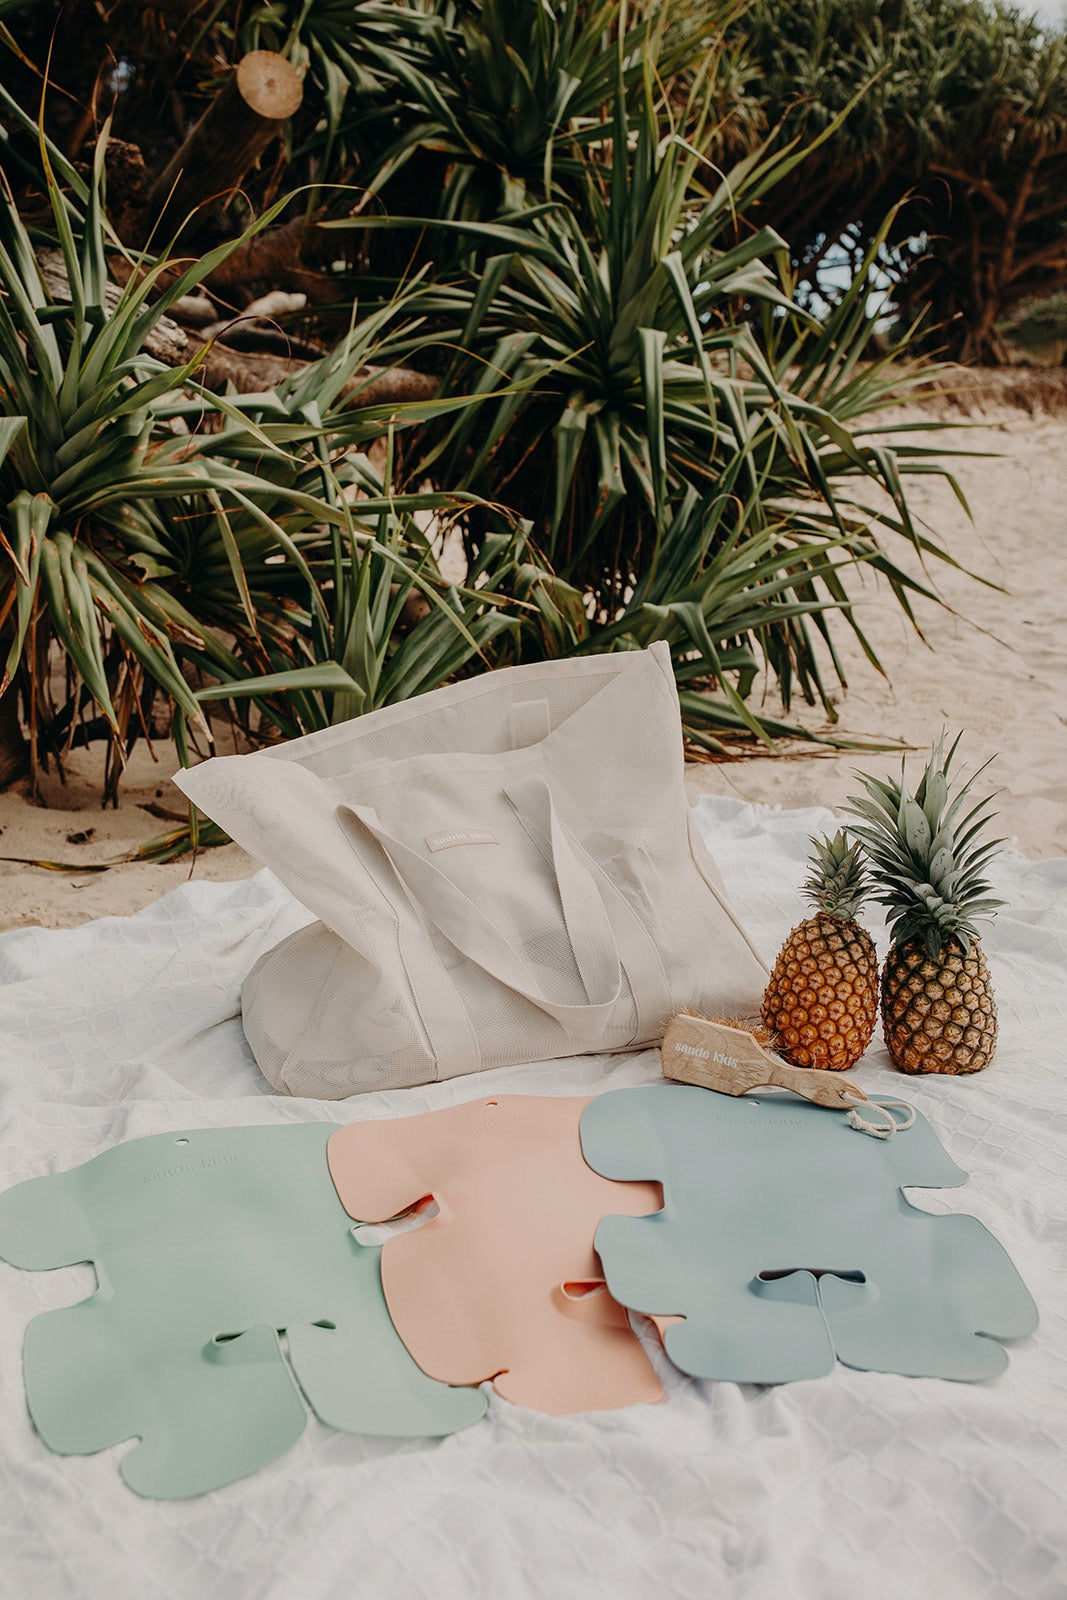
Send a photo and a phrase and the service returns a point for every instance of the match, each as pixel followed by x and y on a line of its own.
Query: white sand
pixel 1001 676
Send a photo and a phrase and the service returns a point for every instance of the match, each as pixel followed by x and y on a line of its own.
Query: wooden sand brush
pixel 714 1054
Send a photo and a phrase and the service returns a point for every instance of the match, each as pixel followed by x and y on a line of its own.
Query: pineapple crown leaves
pixel 839 880
pixel 926 850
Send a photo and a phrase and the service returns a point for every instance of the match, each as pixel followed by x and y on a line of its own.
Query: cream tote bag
pixel 504 870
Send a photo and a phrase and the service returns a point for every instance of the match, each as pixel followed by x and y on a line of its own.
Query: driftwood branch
pixel 250 371
pixel 286 256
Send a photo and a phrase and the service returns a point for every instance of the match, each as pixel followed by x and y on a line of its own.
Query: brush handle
pixel 822 1088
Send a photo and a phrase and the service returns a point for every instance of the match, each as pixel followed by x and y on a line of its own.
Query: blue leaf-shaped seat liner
pixel 785 1241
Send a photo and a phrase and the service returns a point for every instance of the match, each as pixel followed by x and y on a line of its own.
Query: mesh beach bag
pixel 504 870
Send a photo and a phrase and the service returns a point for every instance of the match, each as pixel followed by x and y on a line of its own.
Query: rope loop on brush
pixel 885 1110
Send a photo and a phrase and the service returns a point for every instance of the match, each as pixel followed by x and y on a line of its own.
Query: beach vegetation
pixel 161 539
pixel 957 124
pixel 494 352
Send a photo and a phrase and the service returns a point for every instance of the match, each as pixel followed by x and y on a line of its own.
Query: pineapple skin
pixel 821 1002
pixel 938 1015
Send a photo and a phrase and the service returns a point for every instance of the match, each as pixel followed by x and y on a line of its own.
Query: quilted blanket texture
pixel 854 1484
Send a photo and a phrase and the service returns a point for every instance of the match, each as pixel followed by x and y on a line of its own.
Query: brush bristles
pixel 763 1036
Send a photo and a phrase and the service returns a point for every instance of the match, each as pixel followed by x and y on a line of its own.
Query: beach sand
pixel 994 665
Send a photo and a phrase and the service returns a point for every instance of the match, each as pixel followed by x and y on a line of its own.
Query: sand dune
pixel 1001 675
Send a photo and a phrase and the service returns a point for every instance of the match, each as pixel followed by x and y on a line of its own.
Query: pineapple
pixel 822 999
pixel 938 1012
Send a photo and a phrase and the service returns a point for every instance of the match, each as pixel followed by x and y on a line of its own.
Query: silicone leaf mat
pixel 785 1241
pixel 209 1248
pixel 503 1283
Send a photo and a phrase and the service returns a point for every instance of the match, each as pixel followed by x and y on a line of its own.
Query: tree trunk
pixel 14 750
pixel 240 122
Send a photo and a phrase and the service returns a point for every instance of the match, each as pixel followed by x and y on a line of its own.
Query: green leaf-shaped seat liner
pixel 209 1246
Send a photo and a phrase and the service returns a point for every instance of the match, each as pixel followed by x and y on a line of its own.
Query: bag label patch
pixel 445 841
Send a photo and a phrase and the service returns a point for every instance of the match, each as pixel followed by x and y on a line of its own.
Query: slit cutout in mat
pixel 502 1283
pixel 755 1193
pixel 207 1246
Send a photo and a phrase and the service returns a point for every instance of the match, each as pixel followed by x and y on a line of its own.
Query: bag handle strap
pixel 639 954
pixel 476 936
pixel 585 916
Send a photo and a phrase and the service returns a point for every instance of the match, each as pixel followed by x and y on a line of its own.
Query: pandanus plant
pixel 677 432
pixel 208 563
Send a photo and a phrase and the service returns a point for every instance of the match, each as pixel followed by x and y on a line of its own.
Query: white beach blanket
pixel 857 1486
